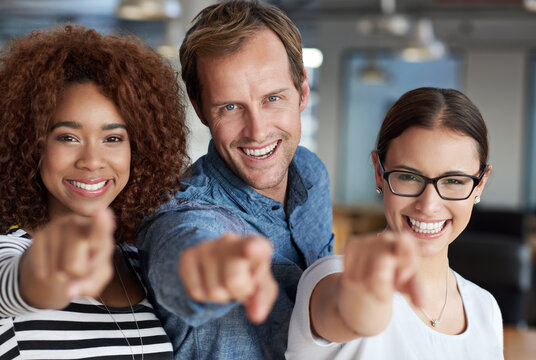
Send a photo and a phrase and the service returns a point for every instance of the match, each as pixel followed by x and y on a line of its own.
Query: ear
pixel 198 111
pixel 305 91
pixel 377 170
pixel 480 188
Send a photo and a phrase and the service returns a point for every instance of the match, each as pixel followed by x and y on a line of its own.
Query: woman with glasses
pixel 393 295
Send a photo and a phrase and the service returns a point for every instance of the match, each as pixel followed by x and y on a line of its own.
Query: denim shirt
pixel 213 201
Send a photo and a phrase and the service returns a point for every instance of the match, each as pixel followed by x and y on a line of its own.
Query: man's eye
pixel 230 107
pixel 273 98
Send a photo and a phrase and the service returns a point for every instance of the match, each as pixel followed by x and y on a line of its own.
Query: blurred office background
pixel 361 55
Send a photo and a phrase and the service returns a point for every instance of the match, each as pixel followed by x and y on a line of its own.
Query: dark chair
pixel 493 253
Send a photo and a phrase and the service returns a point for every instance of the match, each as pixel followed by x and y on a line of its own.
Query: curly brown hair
pixel 35 69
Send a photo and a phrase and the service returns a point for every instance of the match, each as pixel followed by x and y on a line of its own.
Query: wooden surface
pixel 351 220
pixel 519 344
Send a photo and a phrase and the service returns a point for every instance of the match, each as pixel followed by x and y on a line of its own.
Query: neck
pixel 124 289
pixel 433 273
pixel 277 193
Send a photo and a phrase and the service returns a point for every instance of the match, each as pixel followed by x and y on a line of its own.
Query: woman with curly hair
pixel 89 122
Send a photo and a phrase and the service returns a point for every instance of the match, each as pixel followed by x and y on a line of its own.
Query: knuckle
pixel 196 294
pixel 188 256
pixel 383 275
pixel 239 286
pixel 218 295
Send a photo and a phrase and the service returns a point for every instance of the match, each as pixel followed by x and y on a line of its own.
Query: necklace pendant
pixel 435 323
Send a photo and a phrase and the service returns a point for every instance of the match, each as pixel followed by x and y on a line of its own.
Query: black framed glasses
pixel 448 187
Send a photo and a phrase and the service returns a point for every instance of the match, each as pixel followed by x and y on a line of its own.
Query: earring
pixel 477 199
pixel 379 190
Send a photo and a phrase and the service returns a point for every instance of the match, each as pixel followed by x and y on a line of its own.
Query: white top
pixel 83 330
pixel 406 336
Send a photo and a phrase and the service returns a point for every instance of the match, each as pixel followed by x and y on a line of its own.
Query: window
pixel 530 177
pixel 312 59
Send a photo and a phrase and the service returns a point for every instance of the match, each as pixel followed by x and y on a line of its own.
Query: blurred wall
pixel 495 79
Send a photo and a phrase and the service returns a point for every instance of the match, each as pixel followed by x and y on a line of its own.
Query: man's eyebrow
pixel 277 91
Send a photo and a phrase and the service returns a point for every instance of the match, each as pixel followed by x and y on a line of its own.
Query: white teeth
pixel 89 187
pixel 261 153
pixel 426 227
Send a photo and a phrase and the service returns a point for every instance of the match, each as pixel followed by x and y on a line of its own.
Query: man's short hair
pixel 221 29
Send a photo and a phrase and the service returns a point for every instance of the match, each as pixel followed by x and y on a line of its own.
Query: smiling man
pixel 224 257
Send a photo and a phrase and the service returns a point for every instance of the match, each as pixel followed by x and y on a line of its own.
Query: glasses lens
pixel 405 183
pixel 455 187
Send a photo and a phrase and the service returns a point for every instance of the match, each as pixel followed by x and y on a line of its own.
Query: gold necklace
pixel 437 322
pixel 133 316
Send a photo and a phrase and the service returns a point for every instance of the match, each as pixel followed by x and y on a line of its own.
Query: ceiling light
pixel 170 46
pixel 387 23
pixel 371 74
pixel 148 9
pixel 530 5
pixel 423 46
pixel 312 58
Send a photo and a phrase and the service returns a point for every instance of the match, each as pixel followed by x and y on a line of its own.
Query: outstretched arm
pixel 195 292
pixel 358 301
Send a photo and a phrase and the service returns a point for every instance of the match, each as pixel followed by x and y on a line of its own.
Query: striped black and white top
pixel 83 330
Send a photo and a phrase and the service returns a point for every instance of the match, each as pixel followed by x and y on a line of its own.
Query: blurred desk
pixel 532 240
pixel 519 344
pixel 351 220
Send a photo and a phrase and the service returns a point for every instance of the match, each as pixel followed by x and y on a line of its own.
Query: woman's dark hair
pixel 429 107
pixel 36 69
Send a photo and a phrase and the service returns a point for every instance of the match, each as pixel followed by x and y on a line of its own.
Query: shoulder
pixel 306 159
pixel 188 219
pixel 16 239
pixel 310 168
pixel 193 211
pixel 478 301
pixel 483 313
pixel 469 288
pixel 324 266
pixel 317 271
pixel 302 343
pixel 195 176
